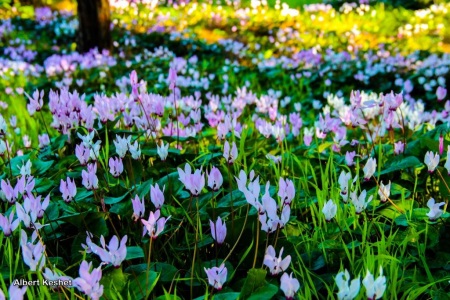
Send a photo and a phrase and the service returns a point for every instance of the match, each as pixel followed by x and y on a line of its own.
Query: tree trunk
pixel 94 29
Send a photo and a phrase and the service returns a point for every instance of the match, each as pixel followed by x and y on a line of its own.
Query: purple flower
pixel 113 253
pixel 33 254
pixel 138 208
pixel 193 182
pixel 68 189
pixel 441 93
pixel 349 157
pixel 289 285
pixel 230 155
pixel 82 153
pixel 172 79
pixel 44 140
pixel 218 230
pixel 157 196
pixel 286 191
pixel 276 264
pixel 217 276
pixel 399 147
pixel 36 102
pixel 441 144
pixel 10 193
pixel 215 179
pixel 16 292
pixel 89 281
pixel 154 225
pixel 115 166
pixel 90 180
pixel 7 224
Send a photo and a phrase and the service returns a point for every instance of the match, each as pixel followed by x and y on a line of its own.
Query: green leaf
pixel 113 282
pixel 400 163
pixel 42 166
pixel 226 296
pixel 264 293
pixel 256 278
pixel 134 252
pixel 114 200
pixel 143 285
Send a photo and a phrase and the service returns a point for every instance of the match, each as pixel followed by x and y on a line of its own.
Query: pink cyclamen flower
pixel 138 208
pixel 289 285
pixel 399 147
pixel 172 79
pixel 441 144
pixel 441 93
pixel 230 155
pixel 7 224
pixel 11 194
pixel 36 102
pixel 349 158
pixel 89 281
pixel 286 191
pixel 113 253
pixel 82 153
pixel 154 225
pixel 215 179
pixel 115 166
pixel 435 211
pixel 33 254
pixel 276 264
pixel 90 180
pixel 217 276
pixel 68 189
pixel 16 292
pixel 432 161
pixel 55 277
pixel 193 182
pixel 369 168
pixel 157 196
pixel 218 230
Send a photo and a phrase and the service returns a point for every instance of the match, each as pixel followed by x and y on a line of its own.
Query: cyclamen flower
pixel 25 170
pixel 215 179
pixel 360 202
pixel 435 211
pixel 135 150
pixel 343 180
pixel 275 159
pixel 218 230
pixel 115 166
pixel 7 224
pixel 172 79
pixel 289 285
pixel 90 180
pixel 193 182
pixel 44 140
pixel 399 147
pixel 217 276
pixel 16 292
pixel 11 194
pixel 346 291
pixel 441 144
pixel 286 191
pixel 138 208
pixel 384 191
pixel 154 225
pixel 113 253
pixel 89 281
pixel 36 103
pixel 82 153
pixel 276 264
pixel 369 168
pixel 157 196
pixel 33 254
pixel 441 93
pixel 374 287
pixel 349 157
pixel 163 151
pixel 122 145
pixel 68 189
pixel 432 161
pixel 230 155
pixel 329 210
